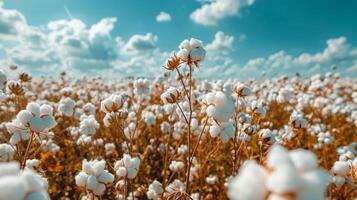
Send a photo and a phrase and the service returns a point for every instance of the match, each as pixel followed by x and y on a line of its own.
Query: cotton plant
pixel 7 152
pixel 127 167
pixel 21 185
pixel 155 190
pixel 94 177
pixel 287 173
pixel 66 107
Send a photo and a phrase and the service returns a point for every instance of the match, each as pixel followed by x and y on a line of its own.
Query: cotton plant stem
pixel 188 170
pixel 32 134
pixel 198 141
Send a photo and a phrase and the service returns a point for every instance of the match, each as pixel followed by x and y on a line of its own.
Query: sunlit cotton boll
pixel 25 185
pixel 155 190
pixel 244 187
pixel 219 106
pixel 18 132
pixel 176 166
pixel 171 95
pixel 88 125
pixel 191 51
pixel 37 118
pixel 66 107
pixel 94 177
pixel 242 90
pixel 127 167
pixel 295 173
pixel 225 130
pixel 112 104
pixel 7 152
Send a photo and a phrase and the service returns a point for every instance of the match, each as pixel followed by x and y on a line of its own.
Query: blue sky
pixel 267 35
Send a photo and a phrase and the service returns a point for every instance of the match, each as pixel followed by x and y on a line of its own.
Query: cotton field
pixel 176 136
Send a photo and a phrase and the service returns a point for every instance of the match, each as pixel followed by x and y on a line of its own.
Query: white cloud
pixel 222 44
pixel 211 13
pixel 163 17
pixel 140 43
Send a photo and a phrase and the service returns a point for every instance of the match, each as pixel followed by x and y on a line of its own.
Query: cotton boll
pixel 245 187
pixel 99 190
pixel 39 195
pixel 24 117
pixel 92 182
pixel 34 108
pixel 12 188
pixel 121 171
pixel 106 177
pixel 284 179
pixel 338 181
pixel 277 156
pixel 81 179
pixel 341 168
pixel 314 184
pixel 303 160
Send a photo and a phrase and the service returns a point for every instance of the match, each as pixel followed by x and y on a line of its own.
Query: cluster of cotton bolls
pixel 94 177
pixel 293 174
pixel 180 138
pixel 21 185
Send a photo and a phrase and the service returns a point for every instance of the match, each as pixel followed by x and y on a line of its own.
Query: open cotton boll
pixel 284 179
pixel 13 188
pixel 34 108
pixel 277 156
pixel 24 116
pixel 314 184
pixel 219 106
pixel 39 195
pixel 303 160
pixel 244 187
pixel 81 179
pixel 341 168
pixel 338 181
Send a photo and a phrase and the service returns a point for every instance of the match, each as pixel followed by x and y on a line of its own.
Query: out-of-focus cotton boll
pixel 7 152
pixel 176 166
pixel 88 125
pixel 219 106
pixel 66 107
pixel 244 187
pixel 155 190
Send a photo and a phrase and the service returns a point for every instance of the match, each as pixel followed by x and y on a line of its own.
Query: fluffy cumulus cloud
pixel 209 14
pixel 73 46
pixel 79 48
pixel 163 17
pixel 221 44
pixel 337 52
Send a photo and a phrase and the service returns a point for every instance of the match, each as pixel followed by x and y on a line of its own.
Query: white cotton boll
pixel 338 181
pixel 121 171
pixel 106 177
pixel 284 179
pixel 277 156
pixel 81 179
pixel 46 110
pixel 13 188
pixel 99 190
pixel 10 168
pixel 341 168
pixel 86 167
pixel 34 108
pixel 277 197
pixel 39 195
pixel 7 152
pixel 66 107
pixel 98 167
pixel 176 166
pixel 214 131
pixel 34 181
pixel 165 127
pixel 303 160
pixel 314 185
pixel 24 117
pixel 92 182
pixel 182 150
pixel 244 187
pixel 132 172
